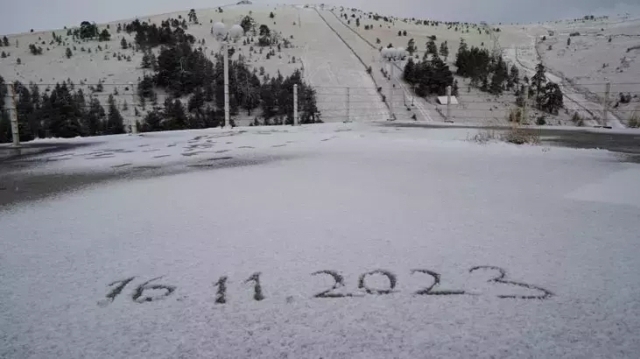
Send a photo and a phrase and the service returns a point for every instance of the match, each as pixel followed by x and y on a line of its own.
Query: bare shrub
pixel 520 136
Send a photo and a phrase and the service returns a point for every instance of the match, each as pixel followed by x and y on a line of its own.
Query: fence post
pixel 448 104
pixel 348 105
pixel 15 132
pixel 134 124
pixel 295 105
pixel 605 105
pixel 524 105
pixel 391 85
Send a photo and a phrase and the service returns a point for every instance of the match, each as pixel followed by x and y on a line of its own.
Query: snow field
pixel 345 198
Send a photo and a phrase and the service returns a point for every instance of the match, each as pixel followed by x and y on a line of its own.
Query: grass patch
pixel 515 135
pixel 634 120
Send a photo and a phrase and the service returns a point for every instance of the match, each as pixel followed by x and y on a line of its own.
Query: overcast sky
pixel 22 15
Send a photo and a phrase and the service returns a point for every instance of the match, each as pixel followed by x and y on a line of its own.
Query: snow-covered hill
pixel 334 53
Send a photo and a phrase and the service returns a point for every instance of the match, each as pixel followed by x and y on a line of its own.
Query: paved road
pixel 627 143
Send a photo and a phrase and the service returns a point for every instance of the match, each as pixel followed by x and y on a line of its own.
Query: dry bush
pixel 515 115
pixel 520 136
pixel 634 120
pixel 484 136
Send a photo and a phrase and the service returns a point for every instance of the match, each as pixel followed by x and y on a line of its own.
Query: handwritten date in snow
pixel 149 292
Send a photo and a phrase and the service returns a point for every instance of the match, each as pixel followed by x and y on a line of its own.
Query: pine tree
pixel 123 44
pixel 93 122
pixel 175 115
pixel 431 48
pixel 68 53
pixel 411 47
pixel 538 80
pixel 444 50
pixel 152 121
pixel 500 75
pixel 409 72
pixel 552 99
pixel 5 40
pixel 514 77
pixel 115 122
pixel 104 35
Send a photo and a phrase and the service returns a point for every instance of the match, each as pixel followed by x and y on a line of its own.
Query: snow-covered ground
pixel 140 268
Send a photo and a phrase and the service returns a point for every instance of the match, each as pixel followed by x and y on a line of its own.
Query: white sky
pixel 22 15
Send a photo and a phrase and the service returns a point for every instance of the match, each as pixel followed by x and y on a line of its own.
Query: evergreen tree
pixel 248 23
pixel 552 99
pixel 432 49
pixel 152 121
pixel 61 113
pixel 444 50
pixel 115 122
pixel 123 44
pixel 104 35
pixel 5 40
pixel 411 47
pixel 539 80
pixel 409 72
pixel 500 76
pixel 176 118
pixel 514 77
pixel 192 16
pixel 147 62
pixel 196 102
pixel 68 53
pixel 93 121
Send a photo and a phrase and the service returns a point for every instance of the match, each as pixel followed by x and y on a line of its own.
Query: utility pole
pixel 295 105
pixel 15 132
pixel 605 104
pixel 225 54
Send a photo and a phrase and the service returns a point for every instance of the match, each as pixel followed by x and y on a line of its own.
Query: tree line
pixel 184 72
pixel 488 72
pixel 60 111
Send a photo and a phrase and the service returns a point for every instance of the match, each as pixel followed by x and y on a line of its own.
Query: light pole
pixel 225 36
pixel 392 56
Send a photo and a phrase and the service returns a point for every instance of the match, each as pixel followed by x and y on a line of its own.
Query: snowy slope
pixel 346 198
pixel 327 63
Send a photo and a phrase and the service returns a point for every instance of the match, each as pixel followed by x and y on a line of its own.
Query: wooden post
pixel 525 103
pixel 605 105
pixel 448 104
